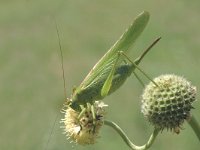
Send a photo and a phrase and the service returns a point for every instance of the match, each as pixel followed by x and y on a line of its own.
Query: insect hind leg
pixel 136 66
pixel 107 85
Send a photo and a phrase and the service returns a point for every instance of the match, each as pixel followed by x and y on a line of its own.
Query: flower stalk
pixel 128 141
pixel 195 126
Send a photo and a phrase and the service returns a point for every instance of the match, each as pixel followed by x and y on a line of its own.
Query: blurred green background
pixel 31 85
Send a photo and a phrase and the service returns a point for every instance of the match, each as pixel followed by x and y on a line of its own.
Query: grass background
pixel 31 85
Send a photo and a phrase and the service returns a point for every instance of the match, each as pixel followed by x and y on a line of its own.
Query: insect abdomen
pixel 120 76
pixel 93 92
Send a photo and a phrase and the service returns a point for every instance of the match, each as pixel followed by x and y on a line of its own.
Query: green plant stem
pixel 195 126
pixel 127 140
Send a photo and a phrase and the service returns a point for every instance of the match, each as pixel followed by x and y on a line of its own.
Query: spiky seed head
pixel 84 129
pixel 167 103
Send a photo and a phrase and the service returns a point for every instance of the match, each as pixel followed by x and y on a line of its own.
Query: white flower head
pixel 84 128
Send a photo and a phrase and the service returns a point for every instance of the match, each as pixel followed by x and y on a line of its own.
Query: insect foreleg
pixel 93 113
pixel 94 122
pixel 83 110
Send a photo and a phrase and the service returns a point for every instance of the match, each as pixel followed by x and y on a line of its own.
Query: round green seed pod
pixel 167 102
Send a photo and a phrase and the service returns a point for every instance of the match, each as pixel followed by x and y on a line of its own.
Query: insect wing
pixel 104 65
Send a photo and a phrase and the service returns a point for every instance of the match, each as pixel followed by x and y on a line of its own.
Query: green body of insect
pixel 93 92
pixel 109 73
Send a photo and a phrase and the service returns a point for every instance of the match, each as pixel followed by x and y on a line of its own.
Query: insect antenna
pixel 62 64
pixel 64 85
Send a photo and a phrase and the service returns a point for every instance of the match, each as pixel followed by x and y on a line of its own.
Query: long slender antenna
pixel 61 56
pixel 51 132
pixel 64 83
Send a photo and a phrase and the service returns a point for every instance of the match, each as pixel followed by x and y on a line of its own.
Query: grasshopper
pixel 109 73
